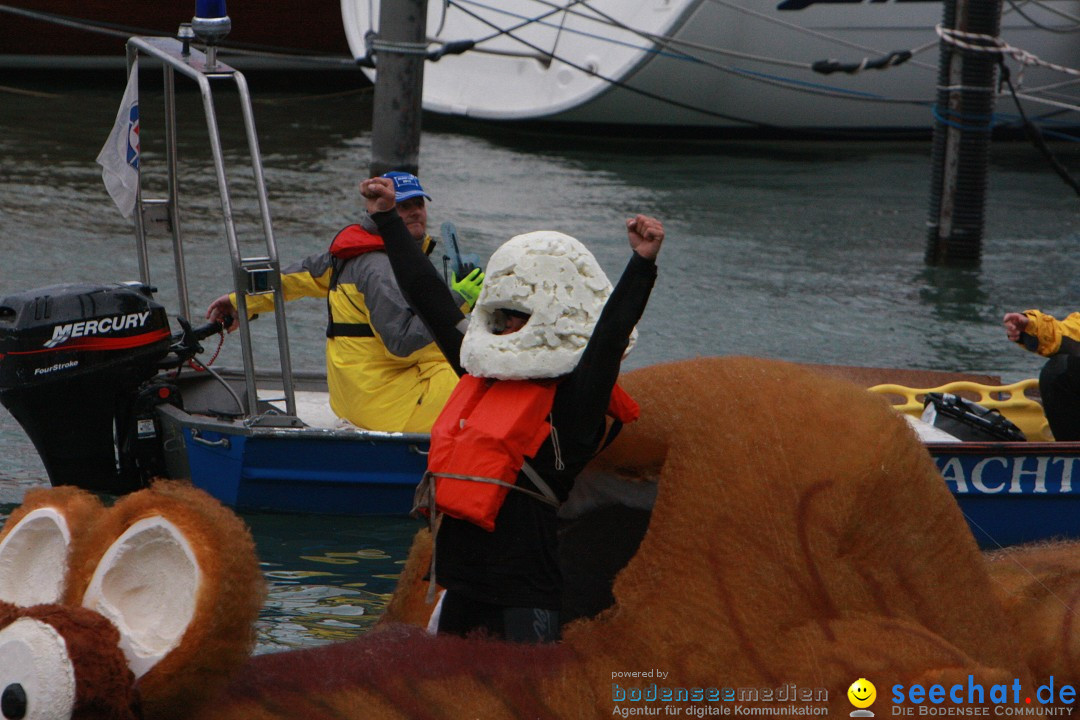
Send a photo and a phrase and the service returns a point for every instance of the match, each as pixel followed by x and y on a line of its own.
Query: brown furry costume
pixel 220 636
pixel 803 557
pixel 801 535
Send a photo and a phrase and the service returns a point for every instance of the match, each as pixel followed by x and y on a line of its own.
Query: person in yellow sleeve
pixel 1059 379
pixel 383 369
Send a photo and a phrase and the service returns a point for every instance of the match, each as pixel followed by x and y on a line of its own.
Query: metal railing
pixel 250 274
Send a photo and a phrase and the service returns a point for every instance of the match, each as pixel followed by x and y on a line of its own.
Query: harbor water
pixel 809 252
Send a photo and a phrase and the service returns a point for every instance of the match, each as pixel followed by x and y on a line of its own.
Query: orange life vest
pixel 486 431
pixel 355 240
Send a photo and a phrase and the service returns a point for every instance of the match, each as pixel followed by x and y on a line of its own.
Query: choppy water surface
pixel 329 578
pixel 806 252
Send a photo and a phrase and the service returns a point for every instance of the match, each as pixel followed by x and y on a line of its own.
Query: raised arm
pixel 646 234
pixel 420 283
pixel 596 372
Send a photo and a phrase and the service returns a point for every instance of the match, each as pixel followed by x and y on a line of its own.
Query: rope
pixel 125 31
pixel 823 36
pixel 558 36
pixel 204 367
pixel 1036 136
pixel 668 40
pixel 612 81
pixel 996 46
pixel 1046 101
pixel 897 57
pixel 1001 549
pixel 1076 27
pixel 28 93
pixel 989 44
pixel 890 60
pixel 398 47
pixel 101 28
pixel 291 99
pixel 787 83
pixel 607 20
pixel 525 20
pixel 944 115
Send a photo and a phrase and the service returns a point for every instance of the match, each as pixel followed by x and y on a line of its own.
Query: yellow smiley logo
pixel 862 693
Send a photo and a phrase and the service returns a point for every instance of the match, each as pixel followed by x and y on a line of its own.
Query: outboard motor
pixel 75 361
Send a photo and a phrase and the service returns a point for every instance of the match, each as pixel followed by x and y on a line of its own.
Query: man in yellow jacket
pixel 383 370
pixel 1059 380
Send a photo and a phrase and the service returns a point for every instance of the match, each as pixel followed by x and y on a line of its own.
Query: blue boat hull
pixel 1009 492
pixel 1012 493
pixel 299 470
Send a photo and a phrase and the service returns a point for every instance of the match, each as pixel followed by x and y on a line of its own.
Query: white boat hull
pixel 737 64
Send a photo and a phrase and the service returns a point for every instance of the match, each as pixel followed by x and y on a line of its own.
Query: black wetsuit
pixel 499 580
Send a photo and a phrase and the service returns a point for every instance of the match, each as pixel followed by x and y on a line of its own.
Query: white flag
pixel 119 158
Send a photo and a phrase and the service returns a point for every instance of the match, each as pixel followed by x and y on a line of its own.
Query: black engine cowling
pixel 73 359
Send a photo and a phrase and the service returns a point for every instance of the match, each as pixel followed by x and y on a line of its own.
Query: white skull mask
pixel 555 280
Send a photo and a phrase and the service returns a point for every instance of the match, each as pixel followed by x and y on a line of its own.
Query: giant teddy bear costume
pixel 797 540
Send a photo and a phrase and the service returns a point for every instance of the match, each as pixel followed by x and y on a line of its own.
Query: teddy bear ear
pixel 177 574
pixel 35 543
pixel 147 584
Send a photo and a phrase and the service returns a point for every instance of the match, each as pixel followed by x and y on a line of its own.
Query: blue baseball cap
pixel 406 186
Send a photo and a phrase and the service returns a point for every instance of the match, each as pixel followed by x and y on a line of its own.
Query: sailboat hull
pixel 706 63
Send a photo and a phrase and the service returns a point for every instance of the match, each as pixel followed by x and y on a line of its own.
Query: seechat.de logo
pixel 862 695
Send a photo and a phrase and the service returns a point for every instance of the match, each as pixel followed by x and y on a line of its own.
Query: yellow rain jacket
pixel 383 369
pixel 1051 332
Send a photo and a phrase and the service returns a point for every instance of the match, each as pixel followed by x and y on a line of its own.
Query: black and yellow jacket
pixel 383 370
pixel 1053 335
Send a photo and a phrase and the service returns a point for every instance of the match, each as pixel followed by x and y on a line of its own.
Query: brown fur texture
pixel 798 537
pixel 801 536
pixel 222 633
pixel 1039 587
pixel 104 687
pixel 400 672
pixel 825 545
pixel 409 603
pixel 79 508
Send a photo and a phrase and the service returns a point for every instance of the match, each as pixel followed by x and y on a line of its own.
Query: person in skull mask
pixel 539 358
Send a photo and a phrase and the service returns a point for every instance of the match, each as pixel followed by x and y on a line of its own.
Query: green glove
pixel 469 286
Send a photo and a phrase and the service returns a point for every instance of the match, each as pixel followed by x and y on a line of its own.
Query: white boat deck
pixel 313 408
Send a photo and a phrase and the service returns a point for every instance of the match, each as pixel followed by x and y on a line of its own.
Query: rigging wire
pixel 824 67
pixel 125 31
pixel 602 18
pixel 788 83
pixel 599 17
pixel 820 35
pixel 28 93
pixel 666 41
pixel 1019 11
pixel 558 35
pixel 988 44
pixel 612 81
pixel 1034 134
pixel 444 6
pixel 525 19
pixel 833 92
pixel 997 46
